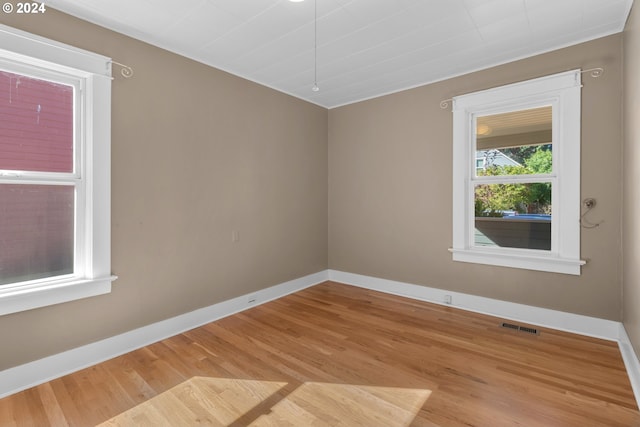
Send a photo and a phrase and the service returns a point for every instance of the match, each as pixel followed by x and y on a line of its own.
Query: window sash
pixel 506 249
pixel 79 224
pixel 79 86
pixel 29 258
pixel 74 178
pixel 514 179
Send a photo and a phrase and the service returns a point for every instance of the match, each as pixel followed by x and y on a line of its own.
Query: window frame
pixel 562 92
pixel 41 57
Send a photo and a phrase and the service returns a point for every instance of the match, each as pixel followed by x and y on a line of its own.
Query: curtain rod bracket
pixel 444 104
pixel 594 72
pixel 125 70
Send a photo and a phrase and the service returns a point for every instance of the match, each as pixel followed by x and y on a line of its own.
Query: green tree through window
pixel 494 199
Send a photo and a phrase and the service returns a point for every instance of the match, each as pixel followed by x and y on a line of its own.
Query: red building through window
pixel 36 217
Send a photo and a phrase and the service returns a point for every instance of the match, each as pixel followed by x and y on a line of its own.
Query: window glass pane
pixel 513 215
pixel 514 143
pixel 36 231
pixel 36 124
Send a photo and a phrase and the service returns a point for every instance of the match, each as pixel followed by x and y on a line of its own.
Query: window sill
pixel 552 264
pixel 29 296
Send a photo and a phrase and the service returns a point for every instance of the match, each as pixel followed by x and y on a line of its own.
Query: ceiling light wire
pixel 315 87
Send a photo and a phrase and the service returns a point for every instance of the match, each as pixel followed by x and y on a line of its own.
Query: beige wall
pixel 390 188
pixel 197 153
pixel 631 183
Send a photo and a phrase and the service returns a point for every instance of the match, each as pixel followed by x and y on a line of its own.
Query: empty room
pixel 371 213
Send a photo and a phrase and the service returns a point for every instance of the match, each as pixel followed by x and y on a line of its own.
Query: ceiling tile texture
pixel 365 48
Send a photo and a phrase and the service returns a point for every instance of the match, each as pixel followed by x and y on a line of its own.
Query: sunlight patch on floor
pixel 233 402
pixel 323 404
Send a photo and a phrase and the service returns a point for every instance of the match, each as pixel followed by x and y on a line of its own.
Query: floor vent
pixel 510 326
pixel 520 328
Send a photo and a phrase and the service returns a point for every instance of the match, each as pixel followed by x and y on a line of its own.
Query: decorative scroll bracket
pixel 125 70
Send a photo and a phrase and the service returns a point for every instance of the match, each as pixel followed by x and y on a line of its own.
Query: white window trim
pixel 93 277
pixel 563 92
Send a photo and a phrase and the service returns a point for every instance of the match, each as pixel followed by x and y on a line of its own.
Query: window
pixel 516 176
pixel 54 172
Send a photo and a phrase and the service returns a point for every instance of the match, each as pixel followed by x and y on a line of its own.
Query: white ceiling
pixel 365 48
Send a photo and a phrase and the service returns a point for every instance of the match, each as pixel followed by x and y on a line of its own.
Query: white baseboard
pixel 630 362
pixel 568 322
pixel 40 371
pixel 575 323
pixel 37 372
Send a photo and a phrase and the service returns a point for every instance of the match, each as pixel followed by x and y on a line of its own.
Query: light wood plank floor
pixel 336 355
